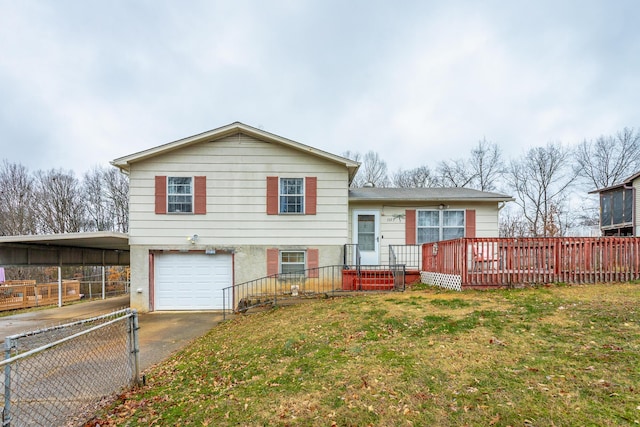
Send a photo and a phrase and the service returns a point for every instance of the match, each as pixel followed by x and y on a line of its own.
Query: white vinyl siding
pixel 236 168
pixel 392 221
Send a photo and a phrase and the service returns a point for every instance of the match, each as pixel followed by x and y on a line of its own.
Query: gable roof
pixel 626 182
pixel 124 163
pixel 457 194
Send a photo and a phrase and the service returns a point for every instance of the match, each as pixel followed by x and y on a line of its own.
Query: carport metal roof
pixel 91 248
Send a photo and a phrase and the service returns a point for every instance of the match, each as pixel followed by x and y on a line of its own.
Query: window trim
pixel 303 195
pixel 304 261
pixel 191 194
pixel 441 227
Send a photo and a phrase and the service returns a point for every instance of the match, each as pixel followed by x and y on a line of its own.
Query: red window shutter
pixel 470 223
pixel 161 194
pixel 200 195
pixel 313 262
pixel 273 261
pixel 310 195
pixel 410 227
pixel 272 195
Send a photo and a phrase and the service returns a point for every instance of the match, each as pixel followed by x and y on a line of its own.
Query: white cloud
pixel 85 82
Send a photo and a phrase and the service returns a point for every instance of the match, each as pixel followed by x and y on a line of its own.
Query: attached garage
pixel 191 281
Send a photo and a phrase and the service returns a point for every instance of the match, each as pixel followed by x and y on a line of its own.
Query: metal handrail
pixel 409 255
pixel 320 281
pixel 351 252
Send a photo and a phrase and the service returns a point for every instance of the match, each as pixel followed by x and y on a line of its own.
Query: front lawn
pixel 559 355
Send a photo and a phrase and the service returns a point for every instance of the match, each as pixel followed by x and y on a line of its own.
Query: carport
pixel 101 248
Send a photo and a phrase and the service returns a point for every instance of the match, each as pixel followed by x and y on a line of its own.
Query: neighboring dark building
pixel 618 208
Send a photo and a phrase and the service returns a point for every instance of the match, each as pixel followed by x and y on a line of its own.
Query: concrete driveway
pixel 161 333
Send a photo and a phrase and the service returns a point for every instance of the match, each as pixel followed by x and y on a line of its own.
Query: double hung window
pixel 292 195
pixel 436 225
pixel 179 194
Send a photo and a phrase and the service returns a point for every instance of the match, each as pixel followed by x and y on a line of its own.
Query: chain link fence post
pixel 135 347
pixel 6 411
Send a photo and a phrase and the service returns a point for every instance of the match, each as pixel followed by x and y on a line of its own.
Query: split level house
pixel 618 205
pixel 237 203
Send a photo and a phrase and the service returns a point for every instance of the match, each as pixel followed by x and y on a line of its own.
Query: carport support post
pixel 103 282
pixel 59 286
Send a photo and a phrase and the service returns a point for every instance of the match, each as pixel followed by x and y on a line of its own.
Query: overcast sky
pixel 83 82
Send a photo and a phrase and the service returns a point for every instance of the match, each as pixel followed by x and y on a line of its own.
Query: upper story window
pixel 436 225
pixel 292 195
pixel 179 194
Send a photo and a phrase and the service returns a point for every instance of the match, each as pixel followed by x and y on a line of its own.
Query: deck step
pixel 368 280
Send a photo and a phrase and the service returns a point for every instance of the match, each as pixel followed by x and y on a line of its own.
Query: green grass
pixel 562 355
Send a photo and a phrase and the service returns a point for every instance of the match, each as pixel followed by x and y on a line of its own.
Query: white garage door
pixel 191 281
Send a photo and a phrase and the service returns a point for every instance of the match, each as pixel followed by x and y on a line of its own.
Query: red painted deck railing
pixel 485 262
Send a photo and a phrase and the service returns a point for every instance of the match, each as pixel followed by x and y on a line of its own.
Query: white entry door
pixel 366 234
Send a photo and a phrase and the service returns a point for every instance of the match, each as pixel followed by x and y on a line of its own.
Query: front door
pixel 366 234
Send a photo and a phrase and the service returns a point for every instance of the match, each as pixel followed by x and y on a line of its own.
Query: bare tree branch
pixel 59 202
pixel 482 170
pixel 420 177
pixel 486 165
pixel 608 159
pixel 16 193
pixel 455 173
pixel 372 171
pixel 541 179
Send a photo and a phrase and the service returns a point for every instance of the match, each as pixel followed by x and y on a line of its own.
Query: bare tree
pixel 106 192
pixel 455 173
pixel 482 170
pixel 17 201
pixel 59 202
pixel 95 198
pixel 541 179
pixel 420 177
pixel 512 224
pixel 117 193
pixel 352 155
pixel 373 170
pixel 608 159
pixel 486 164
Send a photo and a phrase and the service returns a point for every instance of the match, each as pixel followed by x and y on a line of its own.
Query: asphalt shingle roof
pixel 425 194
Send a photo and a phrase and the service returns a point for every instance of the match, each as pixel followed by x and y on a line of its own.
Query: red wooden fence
pixel 487 262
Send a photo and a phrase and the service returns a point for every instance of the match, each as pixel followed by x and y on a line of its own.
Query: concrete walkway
pixel 161 333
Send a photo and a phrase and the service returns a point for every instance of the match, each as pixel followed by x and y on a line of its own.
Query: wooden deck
pixel 26 295
pixel 507 262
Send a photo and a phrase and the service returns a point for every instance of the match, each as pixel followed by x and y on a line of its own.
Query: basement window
pixel 292 262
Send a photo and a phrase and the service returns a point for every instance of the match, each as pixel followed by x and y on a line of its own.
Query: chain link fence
pixel 92 288
pixel 58 376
